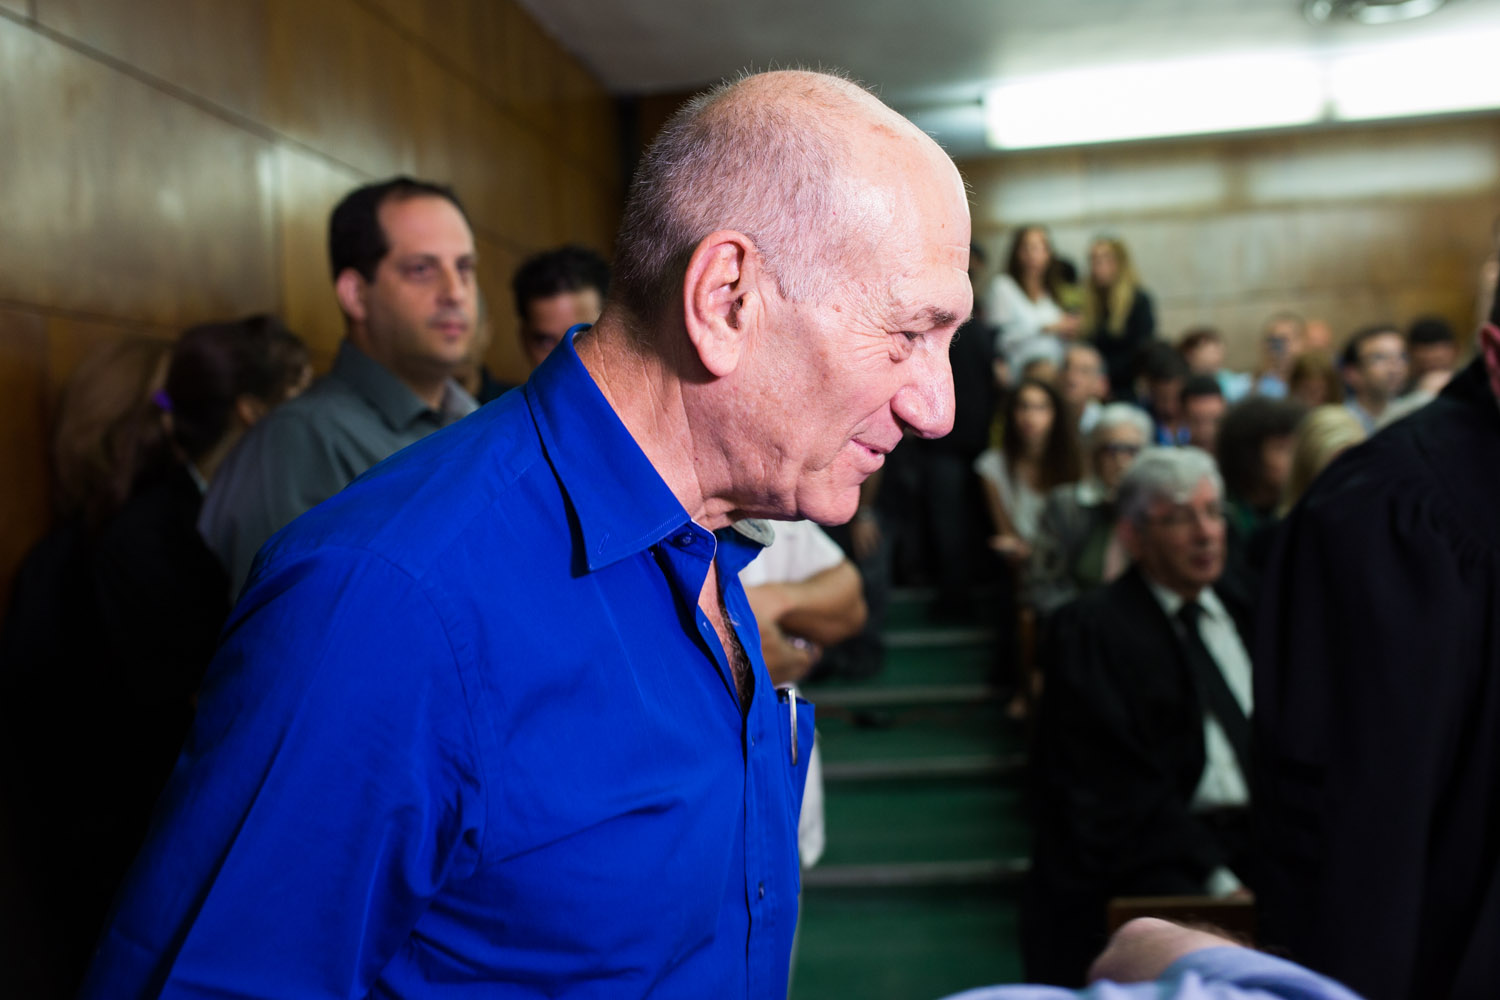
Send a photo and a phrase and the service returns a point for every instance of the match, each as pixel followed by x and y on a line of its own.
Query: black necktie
pixel 1215 690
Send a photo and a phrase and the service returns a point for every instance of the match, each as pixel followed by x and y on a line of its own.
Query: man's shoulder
pixel 1120 608
pixel 464 484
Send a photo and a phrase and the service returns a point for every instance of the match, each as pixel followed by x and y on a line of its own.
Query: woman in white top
pixel 1038 451
pixel 1023 303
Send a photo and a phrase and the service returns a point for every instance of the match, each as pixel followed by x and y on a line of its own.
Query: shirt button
pixel 683 540
pixel 761 891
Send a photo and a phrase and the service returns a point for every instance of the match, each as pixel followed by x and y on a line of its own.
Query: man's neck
pixel 1373 405
pixel 1188 595
pixel 647 397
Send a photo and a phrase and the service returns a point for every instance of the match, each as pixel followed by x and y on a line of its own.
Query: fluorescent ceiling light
pixel 1184 97
pixel 1435 76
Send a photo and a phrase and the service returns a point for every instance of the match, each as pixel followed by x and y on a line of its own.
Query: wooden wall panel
pixel 1351 226
pixel 109 185
pixel 309 187
pixel 23 439
pixel 342 81
pixel 170 161
pixel 496 265
pixel 213 49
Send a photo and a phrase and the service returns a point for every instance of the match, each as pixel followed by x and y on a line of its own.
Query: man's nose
pixel 455 285
pixel 925 401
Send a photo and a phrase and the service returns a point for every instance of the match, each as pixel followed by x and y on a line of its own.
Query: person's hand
pixel 788 657
pixel 864 535
pixel 1067 328
pixel 1014 548
pixel 1141 950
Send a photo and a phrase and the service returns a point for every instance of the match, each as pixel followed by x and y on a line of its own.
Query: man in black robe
pixel 1377 693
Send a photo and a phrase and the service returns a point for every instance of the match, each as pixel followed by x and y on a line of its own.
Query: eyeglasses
pixel 1186 517
pixel 1119 450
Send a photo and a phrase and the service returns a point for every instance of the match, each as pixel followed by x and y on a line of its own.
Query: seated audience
pixel 1373 365
pixel 944 496
pixel 1282 341
pixel 1142 756
pixel 1202 348
pixel 555 291
pixel 1255 459
pixel 1075 548
pixel 1038 453
pixel 1379 737
pixel 1323 435
pixel 403 267
pixel 1117 314
pixel 1023 302
pixel 1083 384
pixel 1203 407
pixel 1161 374
pixel 1432 355
pixel 1315 381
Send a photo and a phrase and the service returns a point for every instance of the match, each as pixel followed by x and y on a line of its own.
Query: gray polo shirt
pixel 308 449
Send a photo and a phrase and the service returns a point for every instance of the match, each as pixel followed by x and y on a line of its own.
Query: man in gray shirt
pixel 403 266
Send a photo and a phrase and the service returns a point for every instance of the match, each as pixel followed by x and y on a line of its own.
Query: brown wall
pixel 1349 225
pixel 164 162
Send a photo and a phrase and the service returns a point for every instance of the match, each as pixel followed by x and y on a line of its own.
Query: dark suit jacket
pixel 1119 755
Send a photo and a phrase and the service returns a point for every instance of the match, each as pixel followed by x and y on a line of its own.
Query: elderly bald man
pixel 497 715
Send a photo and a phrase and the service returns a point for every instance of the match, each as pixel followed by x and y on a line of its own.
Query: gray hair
pixel 1112 415
pixel 1170 474
pixel 734 159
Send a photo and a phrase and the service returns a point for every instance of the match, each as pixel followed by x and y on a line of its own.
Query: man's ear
pixel 721 298
pixel 349 286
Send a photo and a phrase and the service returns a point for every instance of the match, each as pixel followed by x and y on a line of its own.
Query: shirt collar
pixel 622 504
pixel 397 405
pixel 1171 602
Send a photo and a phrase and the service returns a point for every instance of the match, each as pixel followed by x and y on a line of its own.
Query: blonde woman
pixel 1325 433
pixel 1117 312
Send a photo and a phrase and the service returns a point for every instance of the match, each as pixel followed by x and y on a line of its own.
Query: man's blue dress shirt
pixel 469 735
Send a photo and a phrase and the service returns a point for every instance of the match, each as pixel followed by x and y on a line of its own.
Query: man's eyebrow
pixel 938 317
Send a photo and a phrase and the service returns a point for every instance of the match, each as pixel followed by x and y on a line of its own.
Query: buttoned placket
pixel 686 554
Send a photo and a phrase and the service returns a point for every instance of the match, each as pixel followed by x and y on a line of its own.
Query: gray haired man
pixel 1143 736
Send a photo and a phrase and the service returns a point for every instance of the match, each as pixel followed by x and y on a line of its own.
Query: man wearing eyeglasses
pixel 1144 733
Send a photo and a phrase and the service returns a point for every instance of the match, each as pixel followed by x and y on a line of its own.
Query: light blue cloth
pixel 1210 974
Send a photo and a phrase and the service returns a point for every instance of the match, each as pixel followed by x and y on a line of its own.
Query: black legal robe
pixel 1377 721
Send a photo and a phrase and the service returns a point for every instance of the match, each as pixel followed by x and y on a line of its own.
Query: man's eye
pixel 417 270
pixel 909 335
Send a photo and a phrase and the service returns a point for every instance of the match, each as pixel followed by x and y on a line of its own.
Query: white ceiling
pixel 933 59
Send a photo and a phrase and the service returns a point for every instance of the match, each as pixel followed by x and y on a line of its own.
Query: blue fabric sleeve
pixel 1207 974
pixel 329 789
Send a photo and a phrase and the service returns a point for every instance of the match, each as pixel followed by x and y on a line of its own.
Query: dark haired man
pixel 1374 367
pixel 403 260
pixel 554 291
pixel 1202 408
